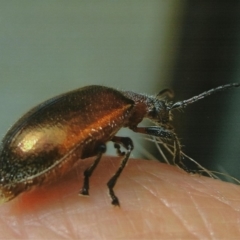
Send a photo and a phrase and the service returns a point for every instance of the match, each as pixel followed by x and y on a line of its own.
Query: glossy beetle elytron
pixel 47 141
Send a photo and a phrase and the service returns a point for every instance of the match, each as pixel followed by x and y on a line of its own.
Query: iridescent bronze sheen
pixel 48 140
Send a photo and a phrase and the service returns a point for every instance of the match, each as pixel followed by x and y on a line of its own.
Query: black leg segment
pixel 128 144
pixel 88 172
pixel 163 133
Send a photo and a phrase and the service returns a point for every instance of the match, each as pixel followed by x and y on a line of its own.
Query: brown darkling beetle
pixel 48 140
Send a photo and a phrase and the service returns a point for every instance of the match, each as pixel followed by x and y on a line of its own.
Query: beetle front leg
pixel 163 133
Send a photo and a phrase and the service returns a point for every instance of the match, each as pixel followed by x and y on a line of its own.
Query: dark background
pixel 207 56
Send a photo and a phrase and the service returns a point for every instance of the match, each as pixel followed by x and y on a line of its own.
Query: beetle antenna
pixel 184 103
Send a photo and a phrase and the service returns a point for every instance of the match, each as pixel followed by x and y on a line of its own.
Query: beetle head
pixel 159 112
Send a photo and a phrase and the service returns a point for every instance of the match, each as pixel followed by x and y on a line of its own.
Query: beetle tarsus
pixel 115 201
pixel 84 191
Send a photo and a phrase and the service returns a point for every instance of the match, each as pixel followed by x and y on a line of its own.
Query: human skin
pixel 158 201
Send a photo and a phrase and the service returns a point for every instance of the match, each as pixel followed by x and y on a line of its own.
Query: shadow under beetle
pixel 46 142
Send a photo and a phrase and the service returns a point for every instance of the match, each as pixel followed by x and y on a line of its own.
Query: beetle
pixel 49 139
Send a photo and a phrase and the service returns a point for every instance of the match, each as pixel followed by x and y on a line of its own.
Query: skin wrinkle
pixel 11 223
pixel 201 213
pixel 221 199
pixel 19 220
pixel 158 175
pixel 133 225
pixel 131 222
pixel 179 217
pixel 20 231
pixel 210 195
pixel 121 228
pixel 116 224
pixel 164 203
pixel 59 230
pixel 82 231
pixel 197 179
pixel 69 227
pixel 7 225
pixel 46 214
pixel 29 223
pixel 198 210
pixel 146 188
pixel 144 231
pixel 46 220
pixel 145 219
pixel 202 193
pixel 60 233
pixel 204 220
pixel 67 213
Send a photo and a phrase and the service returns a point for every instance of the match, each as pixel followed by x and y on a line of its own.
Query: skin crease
pixel 157 201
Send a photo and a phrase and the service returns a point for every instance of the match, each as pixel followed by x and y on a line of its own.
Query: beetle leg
pixel 118 148
pixel 163 133
pixel 128 144
pixel 88 172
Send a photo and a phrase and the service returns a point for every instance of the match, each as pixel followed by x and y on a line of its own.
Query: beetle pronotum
pixel 46 142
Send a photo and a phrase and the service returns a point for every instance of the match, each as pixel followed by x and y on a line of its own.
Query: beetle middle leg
pixel 88 172
pixel 128 144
